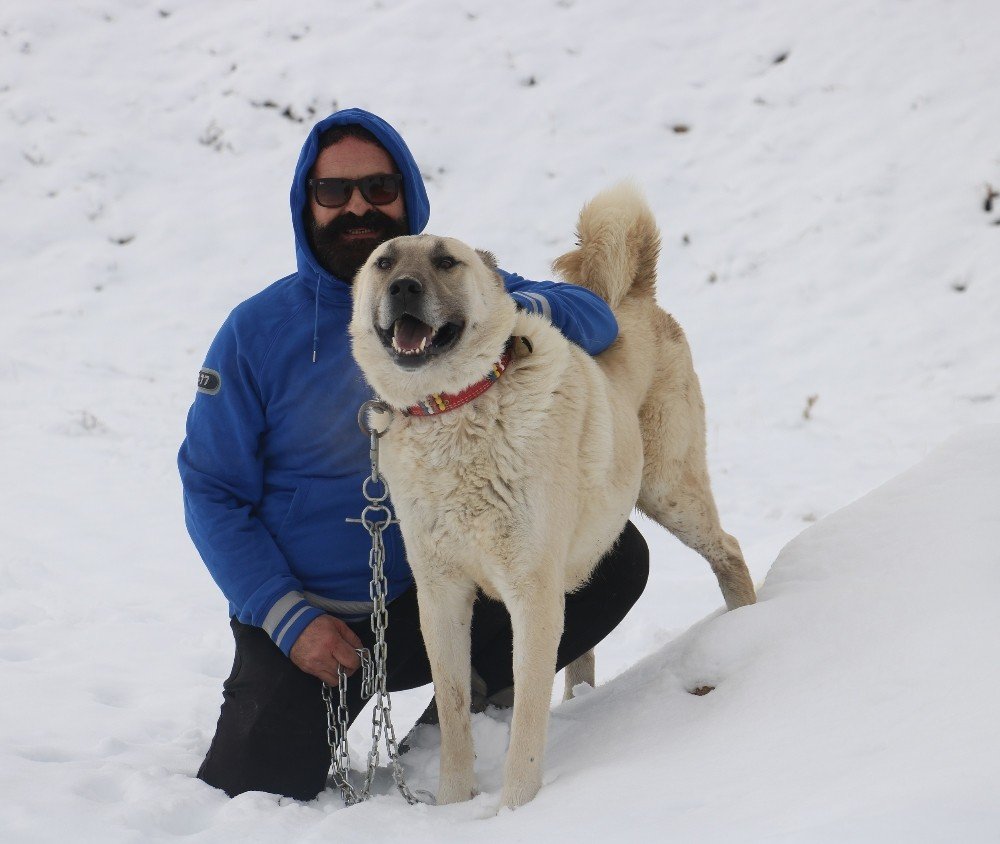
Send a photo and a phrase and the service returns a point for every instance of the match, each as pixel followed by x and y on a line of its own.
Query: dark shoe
pixel 504 699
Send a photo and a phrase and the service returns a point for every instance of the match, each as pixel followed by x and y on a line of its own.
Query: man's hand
pixel 325 645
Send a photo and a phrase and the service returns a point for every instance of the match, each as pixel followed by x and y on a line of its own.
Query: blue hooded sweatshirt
pixel 273 461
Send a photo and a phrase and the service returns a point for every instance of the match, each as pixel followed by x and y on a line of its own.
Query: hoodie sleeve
pixel 222 475
pixel 581 315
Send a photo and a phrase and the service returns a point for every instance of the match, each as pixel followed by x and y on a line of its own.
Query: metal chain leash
pixel 336 729
pixel 375 518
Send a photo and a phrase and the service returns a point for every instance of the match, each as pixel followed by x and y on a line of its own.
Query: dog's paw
pixel 455 791
pixel 518 792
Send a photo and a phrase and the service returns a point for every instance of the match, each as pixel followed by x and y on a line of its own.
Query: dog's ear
pixel 488 258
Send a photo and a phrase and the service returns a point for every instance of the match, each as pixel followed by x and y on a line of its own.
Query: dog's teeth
pixel 423 344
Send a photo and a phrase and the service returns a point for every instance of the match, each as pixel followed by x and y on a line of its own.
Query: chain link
pixel 375 518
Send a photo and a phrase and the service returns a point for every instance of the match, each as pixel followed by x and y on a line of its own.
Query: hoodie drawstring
pixel 316 322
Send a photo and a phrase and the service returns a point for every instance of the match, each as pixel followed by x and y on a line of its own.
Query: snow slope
pixel 827 249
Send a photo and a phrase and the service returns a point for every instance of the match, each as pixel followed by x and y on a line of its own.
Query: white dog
pixel 520 491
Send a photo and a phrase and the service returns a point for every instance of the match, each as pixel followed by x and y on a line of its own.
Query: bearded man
pixel 273 465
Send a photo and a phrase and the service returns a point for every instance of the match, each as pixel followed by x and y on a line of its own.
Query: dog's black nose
pixel 405 286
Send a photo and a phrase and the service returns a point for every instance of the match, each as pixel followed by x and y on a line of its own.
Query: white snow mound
pixel 855 701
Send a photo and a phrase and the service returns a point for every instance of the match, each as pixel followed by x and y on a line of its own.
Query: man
pixel 273 464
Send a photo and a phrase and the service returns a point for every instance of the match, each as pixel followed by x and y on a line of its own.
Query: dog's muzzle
pixel 410 335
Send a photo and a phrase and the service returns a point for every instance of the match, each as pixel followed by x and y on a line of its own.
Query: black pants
pixel 271 734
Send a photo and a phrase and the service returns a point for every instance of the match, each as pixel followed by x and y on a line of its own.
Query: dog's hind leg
pixel 536 605
pixel 685 507
pixel 580 670
pixel 676 492
pixel 445 622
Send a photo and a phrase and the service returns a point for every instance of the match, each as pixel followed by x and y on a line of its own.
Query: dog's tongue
pixel 411 333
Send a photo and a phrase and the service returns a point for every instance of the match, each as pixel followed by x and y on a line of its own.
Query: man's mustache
pixel 372 219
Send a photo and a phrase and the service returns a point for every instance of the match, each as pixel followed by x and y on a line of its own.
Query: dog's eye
pixel 446 263
pixel 383 264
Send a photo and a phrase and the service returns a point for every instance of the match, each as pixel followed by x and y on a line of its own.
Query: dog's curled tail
pixel 618 246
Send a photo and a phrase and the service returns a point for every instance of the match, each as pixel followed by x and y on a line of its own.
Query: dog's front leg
pixel 445 621
pixel 536 607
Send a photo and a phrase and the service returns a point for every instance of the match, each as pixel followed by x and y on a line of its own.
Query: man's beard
pixel 342 256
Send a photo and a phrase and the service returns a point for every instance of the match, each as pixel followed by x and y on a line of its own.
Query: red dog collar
pixel 443 402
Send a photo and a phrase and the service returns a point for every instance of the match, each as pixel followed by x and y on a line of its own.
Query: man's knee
pixel 628 564
pixel 253 767
pixel 271 734
pixel 638 552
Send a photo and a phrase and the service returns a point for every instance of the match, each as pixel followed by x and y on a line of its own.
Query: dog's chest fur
pixel 533 474
pixel 462 478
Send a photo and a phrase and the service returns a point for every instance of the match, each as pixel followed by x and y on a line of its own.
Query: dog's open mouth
pixel 413 342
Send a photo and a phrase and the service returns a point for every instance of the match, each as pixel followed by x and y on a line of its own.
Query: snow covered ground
pixel 821 174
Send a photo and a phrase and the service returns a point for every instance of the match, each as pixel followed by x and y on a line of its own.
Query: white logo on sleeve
pixel 209 381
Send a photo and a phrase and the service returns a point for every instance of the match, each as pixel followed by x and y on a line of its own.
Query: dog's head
pixel 431 315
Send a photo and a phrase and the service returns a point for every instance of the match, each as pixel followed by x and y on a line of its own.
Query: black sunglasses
pixel 380 189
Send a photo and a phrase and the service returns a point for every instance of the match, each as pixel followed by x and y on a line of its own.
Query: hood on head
pixel 418 207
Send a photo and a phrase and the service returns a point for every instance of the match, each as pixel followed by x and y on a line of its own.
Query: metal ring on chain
pixel 372 404
pixel 375 498
pixel 369 517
